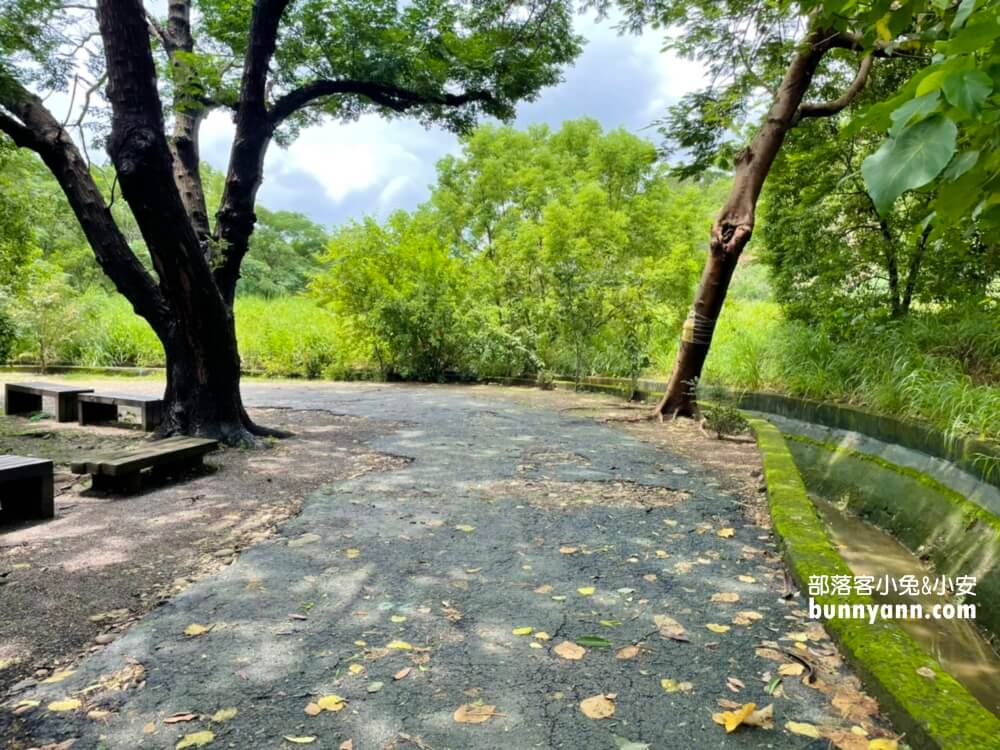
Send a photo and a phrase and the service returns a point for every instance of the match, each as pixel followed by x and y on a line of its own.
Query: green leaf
pixel 910 160
pixel 625 744
pixel 960 165
pixel 968 89
pixel 915 109
pixel 593 641
pixel 965 9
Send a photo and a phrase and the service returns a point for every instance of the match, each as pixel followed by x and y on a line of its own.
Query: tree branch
pixel 394 97
pixel 832 107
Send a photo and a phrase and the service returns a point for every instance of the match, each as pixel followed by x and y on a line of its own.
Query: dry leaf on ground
pixel 474 713
pixel 598 706
pixel 569 650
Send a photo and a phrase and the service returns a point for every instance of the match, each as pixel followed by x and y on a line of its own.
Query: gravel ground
pixel 396 597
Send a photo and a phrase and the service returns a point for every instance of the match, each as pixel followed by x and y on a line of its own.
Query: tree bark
pixel 734 225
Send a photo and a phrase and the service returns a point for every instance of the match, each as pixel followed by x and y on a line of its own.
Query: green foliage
pixel 538 250
pixel 41 315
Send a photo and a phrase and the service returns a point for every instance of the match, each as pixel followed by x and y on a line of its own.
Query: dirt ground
pixel 106 560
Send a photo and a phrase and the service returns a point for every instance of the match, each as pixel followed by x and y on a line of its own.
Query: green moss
pixel 934 713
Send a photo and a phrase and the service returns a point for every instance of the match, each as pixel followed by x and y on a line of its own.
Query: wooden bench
pixel 122 471
pixel 103 407
pixel 52 398
pixel 26 488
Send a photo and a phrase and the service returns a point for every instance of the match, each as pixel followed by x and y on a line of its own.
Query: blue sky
pixel 337 172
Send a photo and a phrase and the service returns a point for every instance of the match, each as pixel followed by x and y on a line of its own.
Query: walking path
pixel 397 598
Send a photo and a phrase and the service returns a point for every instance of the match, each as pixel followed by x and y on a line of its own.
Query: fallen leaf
pixel 806 730
pixel 356 669
pixel 198 739
pixel 568 550
pixel 333 703
pixel 715 628
pixel 670 628
pixel 650 577
pixel 401 674
pixel 313 709
pixel 763 718
pixel 569 650
pixel 673 686
pixel 883 744
pixel 586 590
pixel 194 630
pixel 347 745
pixel 69 704
pixel 400 646
pixel 793 669
pixel 178 718
pixel 546 589
pixel 732 719
pixel 148 728
pixel 474 713
pixel 726 596
pixel 374 687
pixel 747 579
pixel 523 631
pixel 598 706
pixel 465 527
pixel 624 744
pixel 224 714
pixel 542 635
pixel 300 740
pixel 353 553
pixel 747 617
pixel 58 676
pixel 593 641
pixel 725 533
pixel 98 714
pixel 682 567
pixel 927 672
pixel 627 652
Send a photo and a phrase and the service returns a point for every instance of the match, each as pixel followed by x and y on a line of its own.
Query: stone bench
pixel 26 488
pixel 52 398
pixel 122 471
pixel 103 407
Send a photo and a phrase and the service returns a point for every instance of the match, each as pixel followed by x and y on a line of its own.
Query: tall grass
pixel 941 368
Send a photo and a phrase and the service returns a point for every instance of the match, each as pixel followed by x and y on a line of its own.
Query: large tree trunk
pixel 734 225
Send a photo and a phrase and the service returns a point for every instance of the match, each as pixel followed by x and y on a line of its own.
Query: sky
pixel 336 172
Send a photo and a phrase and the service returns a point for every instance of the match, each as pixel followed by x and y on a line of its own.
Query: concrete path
pixel 400 593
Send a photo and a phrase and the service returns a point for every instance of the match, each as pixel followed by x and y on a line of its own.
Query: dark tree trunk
pixel 734 225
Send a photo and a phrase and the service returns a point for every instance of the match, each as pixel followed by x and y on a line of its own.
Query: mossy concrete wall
pixel 932 521
pixel 933 712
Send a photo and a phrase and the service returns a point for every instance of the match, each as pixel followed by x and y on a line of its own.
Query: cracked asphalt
pixel 495 519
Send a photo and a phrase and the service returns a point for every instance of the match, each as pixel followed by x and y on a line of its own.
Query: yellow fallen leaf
pixel 69 704
pixel 598 706
pixel 542 635
pixel 474 713
pixel 568 550
pixel 57 676
pixel 353 553
pixel 356 669
pixel 332 703
pixel 197 739
pixel 535 645
pixel 401 674
pixel 747 579
pixel 732 719
pixel 763 718
pixel 400 646
pixel 569 650
pixel 523 631
pixel 627 652
pixel 725 533
pixel 300 740
pixel 224 714
pixel 360 644
pixel 546 589
pixel 806 730
pixel 715 628
pixel 746 617
pixel 465 527
pixel 793 669
pixel 726 596
pixel 673 686
pixel 660 553
pixel 585 590
pixel 398 618
pixel 883 744
pixel 193 631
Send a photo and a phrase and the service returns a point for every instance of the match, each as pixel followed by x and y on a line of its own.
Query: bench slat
pixel 132 460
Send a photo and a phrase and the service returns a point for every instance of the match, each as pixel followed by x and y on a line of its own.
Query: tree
pixel 277 66
pixel 790 52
